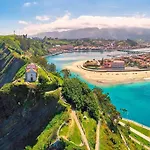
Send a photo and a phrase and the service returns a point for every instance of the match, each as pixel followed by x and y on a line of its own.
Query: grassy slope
pixel 49 134
pixel 140 139
pixel 109 140
pixel 13 61
pixel 70 146
pixel 71 132
pixel 89 126
pixel 132 145
pixel 138 128
pixel 21 72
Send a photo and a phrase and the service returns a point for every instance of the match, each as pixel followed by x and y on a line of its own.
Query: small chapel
pixel 31 73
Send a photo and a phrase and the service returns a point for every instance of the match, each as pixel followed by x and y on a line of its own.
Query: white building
pixel 31 73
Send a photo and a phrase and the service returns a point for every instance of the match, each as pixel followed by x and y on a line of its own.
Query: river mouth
pixel 134 97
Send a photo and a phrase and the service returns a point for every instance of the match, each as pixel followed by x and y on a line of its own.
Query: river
pixel 135 97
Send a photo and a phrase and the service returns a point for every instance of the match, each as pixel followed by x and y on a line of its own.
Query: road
pixel 136 132
pixel 84 139
pixel 97 145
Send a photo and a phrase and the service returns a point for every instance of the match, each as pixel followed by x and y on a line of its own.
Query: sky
pixel 36 16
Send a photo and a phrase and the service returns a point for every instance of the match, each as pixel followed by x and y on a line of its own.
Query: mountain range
pixel 105 33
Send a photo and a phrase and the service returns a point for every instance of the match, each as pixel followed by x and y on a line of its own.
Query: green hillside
pixel 15 51
pixel 10 63
pixel 53 111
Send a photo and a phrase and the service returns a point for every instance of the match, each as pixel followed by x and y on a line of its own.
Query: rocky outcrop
pixel 24 126
pixel 11 70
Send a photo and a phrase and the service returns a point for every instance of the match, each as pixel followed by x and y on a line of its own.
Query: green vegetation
pixel 15 53
pixel 22 44
pixel 126 132
pixel 52 95
pixel 70 146
pixel 20 73
pixel 6 88
pixel 53 42
pixel 137 127
pixel 81 97
pixel 64 131
pixel 140 139
pixel 43 74
pixel 68 106
pixel 107 109
pixel 110 140
pixel 66 73
pixel 71 132
pixel 89 126
pixel 75 135
pixel 138 147
pixel 49 135
pixel 21 94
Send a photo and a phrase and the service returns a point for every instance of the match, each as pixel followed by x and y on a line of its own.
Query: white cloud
pixel 28 4
pixel 42 18
pixel 67 23
pixel 23 22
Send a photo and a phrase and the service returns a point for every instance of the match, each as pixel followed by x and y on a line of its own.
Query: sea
pixel 134 97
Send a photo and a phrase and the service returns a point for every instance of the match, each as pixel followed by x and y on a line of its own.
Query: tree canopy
pixel 66 73
pixel 80 96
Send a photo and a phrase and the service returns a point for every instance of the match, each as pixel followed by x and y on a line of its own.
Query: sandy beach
pixel 109 78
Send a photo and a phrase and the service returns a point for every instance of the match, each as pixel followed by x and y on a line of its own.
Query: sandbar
pixel 109 78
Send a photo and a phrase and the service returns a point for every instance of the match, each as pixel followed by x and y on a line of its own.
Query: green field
pixel 89 126
pixel 138 128
pixel 71 132
pixel 132 145
pixel 140 139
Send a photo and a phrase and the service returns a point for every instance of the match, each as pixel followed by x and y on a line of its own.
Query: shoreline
pixel 96 50
pixel 137 123
pixel 109 78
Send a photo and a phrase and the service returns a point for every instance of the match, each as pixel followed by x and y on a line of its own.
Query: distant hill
pixel 105 33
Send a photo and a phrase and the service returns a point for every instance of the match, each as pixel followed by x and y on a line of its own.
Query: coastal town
pixel 124 63
pixel 94 45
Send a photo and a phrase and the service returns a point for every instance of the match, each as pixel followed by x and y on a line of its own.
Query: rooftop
pixel 31 66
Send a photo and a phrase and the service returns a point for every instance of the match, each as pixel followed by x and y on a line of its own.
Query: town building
pixel 107 63
pixel 118 64
pixel 31 73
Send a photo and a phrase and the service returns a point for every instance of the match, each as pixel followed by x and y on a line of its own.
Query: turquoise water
pixel 133 97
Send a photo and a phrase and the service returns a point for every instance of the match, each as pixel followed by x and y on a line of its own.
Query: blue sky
pixel 24 15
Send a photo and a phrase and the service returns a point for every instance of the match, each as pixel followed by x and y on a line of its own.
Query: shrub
pixel 52 95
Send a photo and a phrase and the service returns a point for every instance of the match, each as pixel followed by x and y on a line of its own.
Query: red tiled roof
pixel 28 70
pixel 31 66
